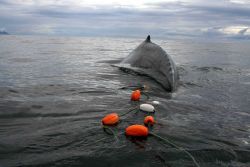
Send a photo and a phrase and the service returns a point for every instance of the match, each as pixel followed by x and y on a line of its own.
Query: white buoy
pixel 147 108
pixel 156 102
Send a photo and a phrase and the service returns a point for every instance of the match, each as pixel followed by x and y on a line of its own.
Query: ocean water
pixel 54 91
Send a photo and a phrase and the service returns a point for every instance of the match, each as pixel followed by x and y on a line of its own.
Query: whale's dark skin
pixel 153 61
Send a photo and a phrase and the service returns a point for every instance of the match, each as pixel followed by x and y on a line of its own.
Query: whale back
pixel 155 62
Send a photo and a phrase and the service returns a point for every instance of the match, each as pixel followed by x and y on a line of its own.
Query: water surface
pixel 55 90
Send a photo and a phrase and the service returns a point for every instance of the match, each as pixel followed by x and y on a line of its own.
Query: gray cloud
pixel 165 19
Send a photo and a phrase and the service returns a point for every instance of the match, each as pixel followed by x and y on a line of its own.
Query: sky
pixel 127 18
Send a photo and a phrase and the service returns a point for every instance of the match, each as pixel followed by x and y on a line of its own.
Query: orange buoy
pixel 110 119
pixel 149 120
pixel 136 95
pixel 137 131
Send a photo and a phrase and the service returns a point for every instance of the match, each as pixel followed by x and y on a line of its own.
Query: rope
pixel 177 147
pixel 112 132
pixel 134 87
pixel 130 110
pixel 104 138
pixel 145 94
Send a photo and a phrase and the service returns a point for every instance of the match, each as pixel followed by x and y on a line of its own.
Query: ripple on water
pixel 55 91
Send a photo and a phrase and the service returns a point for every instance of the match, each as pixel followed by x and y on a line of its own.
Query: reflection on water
pixel 55 90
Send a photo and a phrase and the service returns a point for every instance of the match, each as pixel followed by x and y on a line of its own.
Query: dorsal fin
pixel 148 39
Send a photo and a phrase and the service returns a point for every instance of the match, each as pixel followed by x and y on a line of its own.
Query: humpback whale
pixel 151 60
